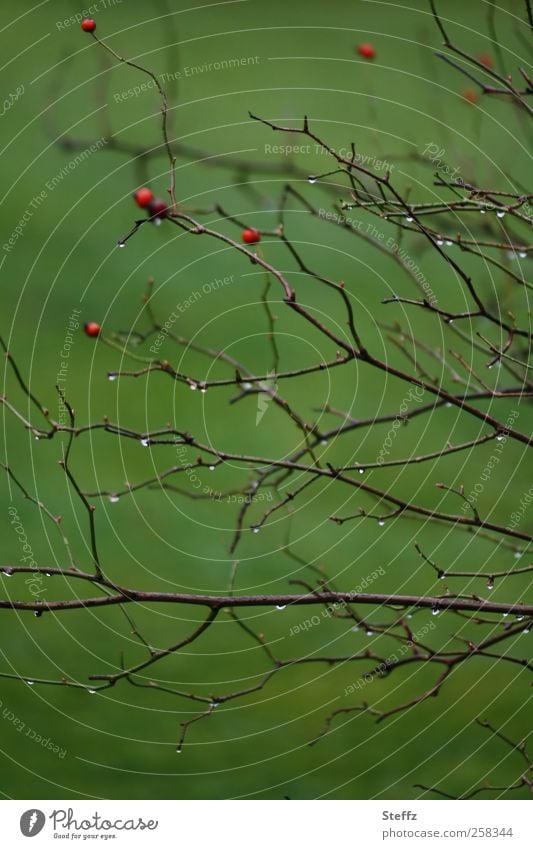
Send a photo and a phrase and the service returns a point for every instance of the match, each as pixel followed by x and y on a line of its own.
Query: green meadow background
pixel 293 59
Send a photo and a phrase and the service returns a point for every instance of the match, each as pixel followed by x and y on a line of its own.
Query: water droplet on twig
pixel 113 498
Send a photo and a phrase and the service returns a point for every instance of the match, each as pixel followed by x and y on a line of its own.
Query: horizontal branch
pixel 125 595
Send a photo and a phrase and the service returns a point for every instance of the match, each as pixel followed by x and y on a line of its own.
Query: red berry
pixel 92 328
pixel 158 208
pixel 367 51
pixel 470 95
pixel 88 25
pixel 251 236
pixel 143 197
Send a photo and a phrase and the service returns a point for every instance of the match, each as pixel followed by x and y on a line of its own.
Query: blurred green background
pixel 293 59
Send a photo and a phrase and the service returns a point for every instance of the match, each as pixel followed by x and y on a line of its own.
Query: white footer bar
pixel 268 824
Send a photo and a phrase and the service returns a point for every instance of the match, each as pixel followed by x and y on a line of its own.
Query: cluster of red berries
pixel 146 200
pixel 366 51
pixel 88 25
